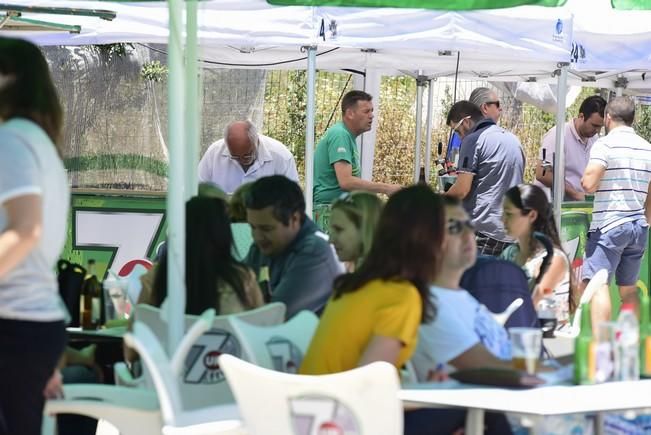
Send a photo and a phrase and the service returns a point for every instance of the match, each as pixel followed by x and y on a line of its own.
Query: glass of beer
pixel 526 344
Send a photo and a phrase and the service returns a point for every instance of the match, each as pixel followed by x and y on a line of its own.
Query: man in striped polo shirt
pixel 619 173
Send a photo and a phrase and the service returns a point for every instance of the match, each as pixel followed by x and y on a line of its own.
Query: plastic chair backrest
pixel 242 239
pixel 144 341
pixel 278 347
pixel 202 381
pixel 496 283
pixel 362 401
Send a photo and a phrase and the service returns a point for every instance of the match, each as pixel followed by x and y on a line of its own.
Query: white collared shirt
pixel 218 167
pixel 577 154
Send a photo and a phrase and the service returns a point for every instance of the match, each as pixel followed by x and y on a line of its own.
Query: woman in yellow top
pixel 375 312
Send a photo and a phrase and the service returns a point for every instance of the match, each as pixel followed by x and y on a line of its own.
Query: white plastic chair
pixel 278 347
pixel 242 239
pixel 502 317
pixel 195 360
pixel 363 401
pixel 599 280
pixel 215 419
pixel 136 410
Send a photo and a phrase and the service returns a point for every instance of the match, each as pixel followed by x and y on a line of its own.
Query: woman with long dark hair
pixel 526 210
pixel 214 279
pixel 34 201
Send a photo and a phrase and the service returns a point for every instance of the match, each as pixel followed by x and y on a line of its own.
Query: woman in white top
pixel 527 209
pixel 34 200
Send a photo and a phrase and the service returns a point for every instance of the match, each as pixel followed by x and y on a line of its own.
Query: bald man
pixel 243 156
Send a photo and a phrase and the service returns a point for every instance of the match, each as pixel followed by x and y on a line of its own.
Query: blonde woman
pixel 352 226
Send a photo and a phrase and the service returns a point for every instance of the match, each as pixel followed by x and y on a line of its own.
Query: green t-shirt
pixel 337 145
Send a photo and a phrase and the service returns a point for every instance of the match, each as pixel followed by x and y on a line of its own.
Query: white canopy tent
pixel 515 44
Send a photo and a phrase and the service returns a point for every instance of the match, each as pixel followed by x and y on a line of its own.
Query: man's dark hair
pixel 593 104
pixel 352 97
pixel 279 192
pixel 461 109
pixel 621 109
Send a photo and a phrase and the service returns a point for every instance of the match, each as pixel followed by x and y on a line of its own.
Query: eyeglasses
pixel 497 103
pixel 456 226
pixel 245 158
pixel 458 124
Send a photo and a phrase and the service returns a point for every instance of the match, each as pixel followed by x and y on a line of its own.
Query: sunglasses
pixel 497 103
pixel 456 226
pixel 458 124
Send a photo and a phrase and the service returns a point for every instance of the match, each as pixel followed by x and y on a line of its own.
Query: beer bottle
pixel 265 285
pixel 645 336
pixel 421 176
pixel 91 292
pixel 584 350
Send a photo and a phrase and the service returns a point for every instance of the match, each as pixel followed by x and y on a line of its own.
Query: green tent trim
pixel 631 4
pixel 458 5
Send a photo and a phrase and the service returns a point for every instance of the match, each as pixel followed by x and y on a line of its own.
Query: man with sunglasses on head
pixel 580 134
pixel 243 156
pixel 491 161
pixel 488 103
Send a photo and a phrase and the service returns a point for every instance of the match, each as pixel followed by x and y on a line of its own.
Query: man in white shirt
pixel 580 134
pixel 619 175
pixel 243 156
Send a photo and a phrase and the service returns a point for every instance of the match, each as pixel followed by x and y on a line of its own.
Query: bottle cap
pixel 627 307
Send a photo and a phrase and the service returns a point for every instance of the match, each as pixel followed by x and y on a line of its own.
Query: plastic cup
pixel 526 344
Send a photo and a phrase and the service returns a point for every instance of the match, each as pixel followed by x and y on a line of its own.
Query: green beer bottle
pixel 584 350
pixel 645 336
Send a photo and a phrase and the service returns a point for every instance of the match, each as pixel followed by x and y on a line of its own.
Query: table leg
pixel 474 422
pixel 599 423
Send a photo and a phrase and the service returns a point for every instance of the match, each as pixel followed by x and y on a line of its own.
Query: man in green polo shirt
pixel 336 160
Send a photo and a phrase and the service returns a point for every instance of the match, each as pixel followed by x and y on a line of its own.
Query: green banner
pixel 458 5
pixel 631 4
pixel 116 229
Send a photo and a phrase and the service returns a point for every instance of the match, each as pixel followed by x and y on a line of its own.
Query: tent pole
pixel 192 111
pixel 175 194
pixel 420 86
pixel 428 139
pixel 559 153
pixel 309 133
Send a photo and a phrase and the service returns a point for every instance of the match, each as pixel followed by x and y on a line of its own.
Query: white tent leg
pixel 420 86
pixel 175 194
pixel 370 83
pixel 192 111
pixel 559 154
pixel 428 138
pixel 309 134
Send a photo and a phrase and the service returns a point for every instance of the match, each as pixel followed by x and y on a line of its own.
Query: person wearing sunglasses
pixel 491 161
pixel 487 101
pixel 243 156
pixel 580 134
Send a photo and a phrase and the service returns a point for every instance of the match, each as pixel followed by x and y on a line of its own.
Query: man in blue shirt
pixel 293 261
pixel 491 161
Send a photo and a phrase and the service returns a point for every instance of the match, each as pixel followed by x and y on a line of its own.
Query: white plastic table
pixel 534 403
